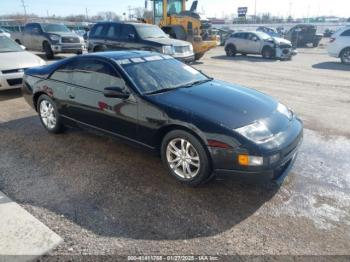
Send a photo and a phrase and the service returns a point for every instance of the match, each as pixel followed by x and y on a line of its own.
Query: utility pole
pixel 25 10
pixel 255 12
pixel 290 8
pixel 87 14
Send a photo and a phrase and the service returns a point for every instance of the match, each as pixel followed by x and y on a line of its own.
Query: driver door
pixel 253 44
pixel 87 103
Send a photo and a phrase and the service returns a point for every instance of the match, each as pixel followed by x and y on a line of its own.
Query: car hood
pixel 226 104
pixel 14 60
pixel 279 41
pixel 168 41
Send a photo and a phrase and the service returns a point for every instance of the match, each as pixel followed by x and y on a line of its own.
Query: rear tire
pixel 231 50
pixel 49 115
pixel 345 56
pixel 48 51
pixel 185 158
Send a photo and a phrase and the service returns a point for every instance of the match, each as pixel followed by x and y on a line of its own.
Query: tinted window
pixel 31 28
pixel 95 75
pixel 346 33
pixel 241 35
pixel 113 31
pixel 127 31
pixel 64 73
pixel 97 31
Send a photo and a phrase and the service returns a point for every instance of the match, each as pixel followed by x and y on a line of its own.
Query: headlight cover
pixel 168 50
pixel 255 132
pixel 284 111
pixel 54 37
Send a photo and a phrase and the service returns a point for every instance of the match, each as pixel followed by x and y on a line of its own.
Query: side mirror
pixel 116 92
pixel 255 39
pixel 131 36
pixel 23 47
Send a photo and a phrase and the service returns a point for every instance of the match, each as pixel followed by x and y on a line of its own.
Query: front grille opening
pixel 14 82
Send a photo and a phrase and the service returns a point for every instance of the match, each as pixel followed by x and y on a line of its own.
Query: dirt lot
pixel 105 197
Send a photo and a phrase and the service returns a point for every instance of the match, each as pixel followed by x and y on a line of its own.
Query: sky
pixel 218 8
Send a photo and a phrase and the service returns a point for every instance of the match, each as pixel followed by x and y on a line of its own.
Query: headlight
pixel 54 37
pixel 81 39
pixel 168 50
pixel 191 48
pixel 255 132
pixel 42 62
pixel 284 111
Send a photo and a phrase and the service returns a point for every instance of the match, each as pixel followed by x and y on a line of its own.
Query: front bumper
pixel 11 81
pixel 225 161
pixel 68 48
pixel 285 53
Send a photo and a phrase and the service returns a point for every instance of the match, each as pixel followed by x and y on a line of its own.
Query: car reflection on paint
pixel 200 126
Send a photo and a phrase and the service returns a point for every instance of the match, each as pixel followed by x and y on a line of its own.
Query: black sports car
pixel 200 126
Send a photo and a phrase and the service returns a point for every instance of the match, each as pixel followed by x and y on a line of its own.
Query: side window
pixel 95 75
pixel 64 73
pixel 237 35
pixel 28 28
pixel 127 32
pixel 251 37
pixel 113 31
pixel 244 35
pixel 346 33
pixel 36 29
pixel 97 31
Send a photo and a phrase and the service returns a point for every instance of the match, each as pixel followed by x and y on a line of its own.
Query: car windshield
pixel 159 73
pixel 8 45
pixel 53 28
pixel 263 35
pixel 146 31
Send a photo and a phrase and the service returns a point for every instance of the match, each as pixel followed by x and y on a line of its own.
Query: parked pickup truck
pixel 49 38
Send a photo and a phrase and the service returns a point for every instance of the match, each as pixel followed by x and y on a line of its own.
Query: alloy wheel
pixel 346 57
pixel 183 158
pixel 47 114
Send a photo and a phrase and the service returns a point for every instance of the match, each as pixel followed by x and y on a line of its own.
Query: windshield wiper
pixel 180 86
pixel 198 82
pixel 159 91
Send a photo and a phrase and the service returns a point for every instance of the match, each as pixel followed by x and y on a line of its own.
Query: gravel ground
pixel 103 196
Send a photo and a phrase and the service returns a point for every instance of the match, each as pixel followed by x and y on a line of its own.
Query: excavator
pixel 173 18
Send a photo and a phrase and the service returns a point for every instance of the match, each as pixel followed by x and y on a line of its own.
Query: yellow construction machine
pixel 179 23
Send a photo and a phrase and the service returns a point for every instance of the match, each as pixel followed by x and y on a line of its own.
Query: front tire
pixel 345 56
pixel 185 158
pixel 268 53
pixel 49 115
pixel 48 51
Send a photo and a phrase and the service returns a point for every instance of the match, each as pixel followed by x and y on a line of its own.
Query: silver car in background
pixel 255 42
pixel 13 61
